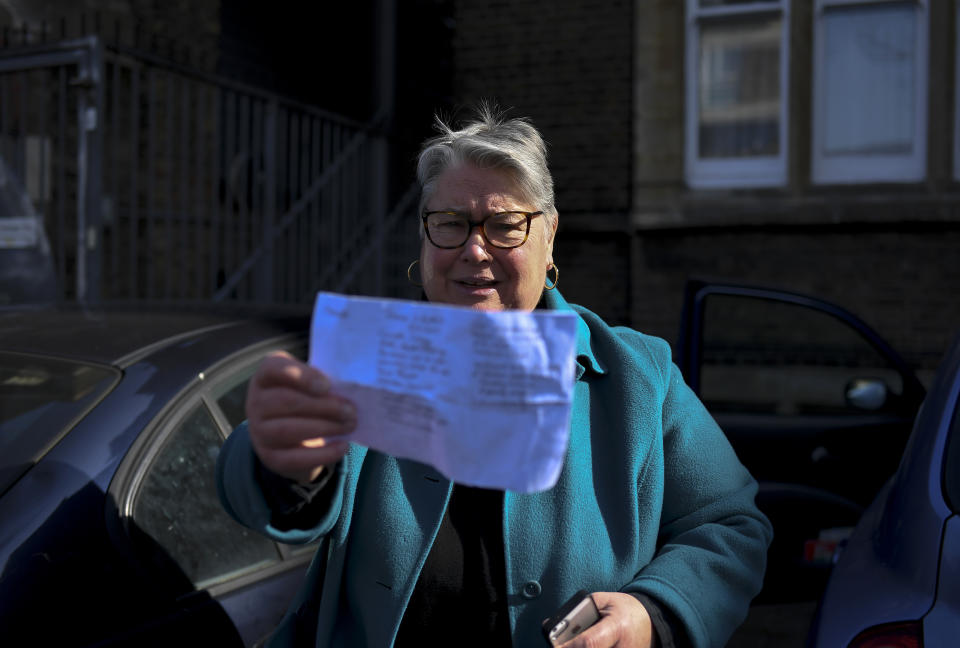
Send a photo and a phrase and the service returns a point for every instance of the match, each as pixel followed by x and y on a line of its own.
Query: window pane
pixel 773 357
pixel 231 394
pixel 177 506
pixel 870 79
pixel 232 399
pixel 739 70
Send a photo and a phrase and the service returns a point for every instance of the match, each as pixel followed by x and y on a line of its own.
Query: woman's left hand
pixel 624 623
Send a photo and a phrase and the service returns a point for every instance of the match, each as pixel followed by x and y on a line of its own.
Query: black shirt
pixel 460 596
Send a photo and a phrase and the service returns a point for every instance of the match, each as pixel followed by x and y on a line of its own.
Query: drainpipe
pixel 89 81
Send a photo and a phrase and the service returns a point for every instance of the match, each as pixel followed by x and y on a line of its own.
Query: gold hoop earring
pixel 410 270
pixel 556 277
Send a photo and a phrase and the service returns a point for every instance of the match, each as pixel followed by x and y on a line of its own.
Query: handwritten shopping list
pixel 484 397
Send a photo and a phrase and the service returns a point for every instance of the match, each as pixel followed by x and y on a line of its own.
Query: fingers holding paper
pixel 297 426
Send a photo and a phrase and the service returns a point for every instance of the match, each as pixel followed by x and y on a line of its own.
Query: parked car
pixel 897 581
pixel 110 424
pixel 818 407
pixel 111 532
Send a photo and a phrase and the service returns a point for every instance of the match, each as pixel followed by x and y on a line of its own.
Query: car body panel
pixel 942 624
pixel 105 336
pixel 906 545
pixel 65 545
pixel 254 611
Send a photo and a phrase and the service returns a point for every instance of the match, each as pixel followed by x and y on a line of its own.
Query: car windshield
pixel 41 398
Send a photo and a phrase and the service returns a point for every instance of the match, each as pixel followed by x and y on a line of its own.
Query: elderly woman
pixel 652 512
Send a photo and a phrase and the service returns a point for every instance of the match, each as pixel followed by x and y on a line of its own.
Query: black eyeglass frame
pixel 480 223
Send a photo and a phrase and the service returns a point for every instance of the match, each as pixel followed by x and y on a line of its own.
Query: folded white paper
pixel 482 396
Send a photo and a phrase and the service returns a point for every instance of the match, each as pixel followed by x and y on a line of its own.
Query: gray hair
pixel 490 141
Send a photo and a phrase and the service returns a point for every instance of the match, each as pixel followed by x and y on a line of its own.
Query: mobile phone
pixel 573 617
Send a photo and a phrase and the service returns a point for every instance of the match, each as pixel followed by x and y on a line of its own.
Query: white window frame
pixel 734 172
pixel 864 168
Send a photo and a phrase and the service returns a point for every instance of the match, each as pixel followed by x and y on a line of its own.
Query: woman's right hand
pixel 297 427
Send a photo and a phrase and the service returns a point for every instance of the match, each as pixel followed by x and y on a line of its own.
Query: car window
pixel 40 400
pixel 230 395
pixel 766 356
pixel 178 508
pixel 231 398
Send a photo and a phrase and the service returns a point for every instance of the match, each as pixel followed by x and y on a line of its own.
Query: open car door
pixel 817 406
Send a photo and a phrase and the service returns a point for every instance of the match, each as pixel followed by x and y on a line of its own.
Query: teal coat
pixel 651 499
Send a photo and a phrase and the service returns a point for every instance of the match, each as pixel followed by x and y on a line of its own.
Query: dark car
pixel 897 581
pixel 817 406
pixel 112 533
pixel 110 425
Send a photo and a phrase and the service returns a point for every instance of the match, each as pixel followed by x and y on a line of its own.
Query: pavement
pixel 775 626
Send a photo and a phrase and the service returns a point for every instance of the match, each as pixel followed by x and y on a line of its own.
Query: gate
pixel 161 183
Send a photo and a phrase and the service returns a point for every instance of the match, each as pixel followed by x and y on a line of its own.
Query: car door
pixel 173 517
pixel 817 406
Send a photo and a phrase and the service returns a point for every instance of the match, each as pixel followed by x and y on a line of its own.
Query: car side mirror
pixel 866 393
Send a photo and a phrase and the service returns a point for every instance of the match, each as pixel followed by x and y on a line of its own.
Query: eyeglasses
pixel 448 230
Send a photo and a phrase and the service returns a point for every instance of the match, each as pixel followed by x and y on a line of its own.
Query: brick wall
pixel 595 272
pixel 658 100
pixel 566 65
pixel 901 280
pixel 603 80
pixel 187 31
pixel 605 83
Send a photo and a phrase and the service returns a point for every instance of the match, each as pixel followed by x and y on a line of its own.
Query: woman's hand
pixel 296 424
pixel 624 623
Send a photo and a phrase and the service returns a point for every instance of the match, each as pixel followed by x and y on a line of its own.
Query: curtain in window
pixel 739 81
pixel 870 79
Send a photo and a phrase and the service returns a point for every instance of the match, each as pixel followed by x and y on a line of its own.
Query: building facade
pixel 810 145
pixel 805 145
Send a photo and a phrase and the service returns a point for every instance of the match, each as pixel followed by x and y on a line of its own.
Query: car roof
pixel 119 335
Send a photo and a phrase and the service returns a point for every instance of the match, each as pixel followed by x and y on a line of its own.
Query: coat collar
pixel 586 359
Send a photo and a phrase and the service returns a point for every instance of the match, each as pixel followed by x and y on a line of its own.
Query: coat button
pixel 531 590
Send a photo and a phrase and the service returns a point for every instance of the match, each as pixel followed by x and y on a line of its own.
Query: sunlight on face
pixel 477 274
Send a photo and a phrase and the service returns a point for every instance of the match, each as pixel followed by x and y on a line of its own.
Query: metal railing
pixel 157 182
